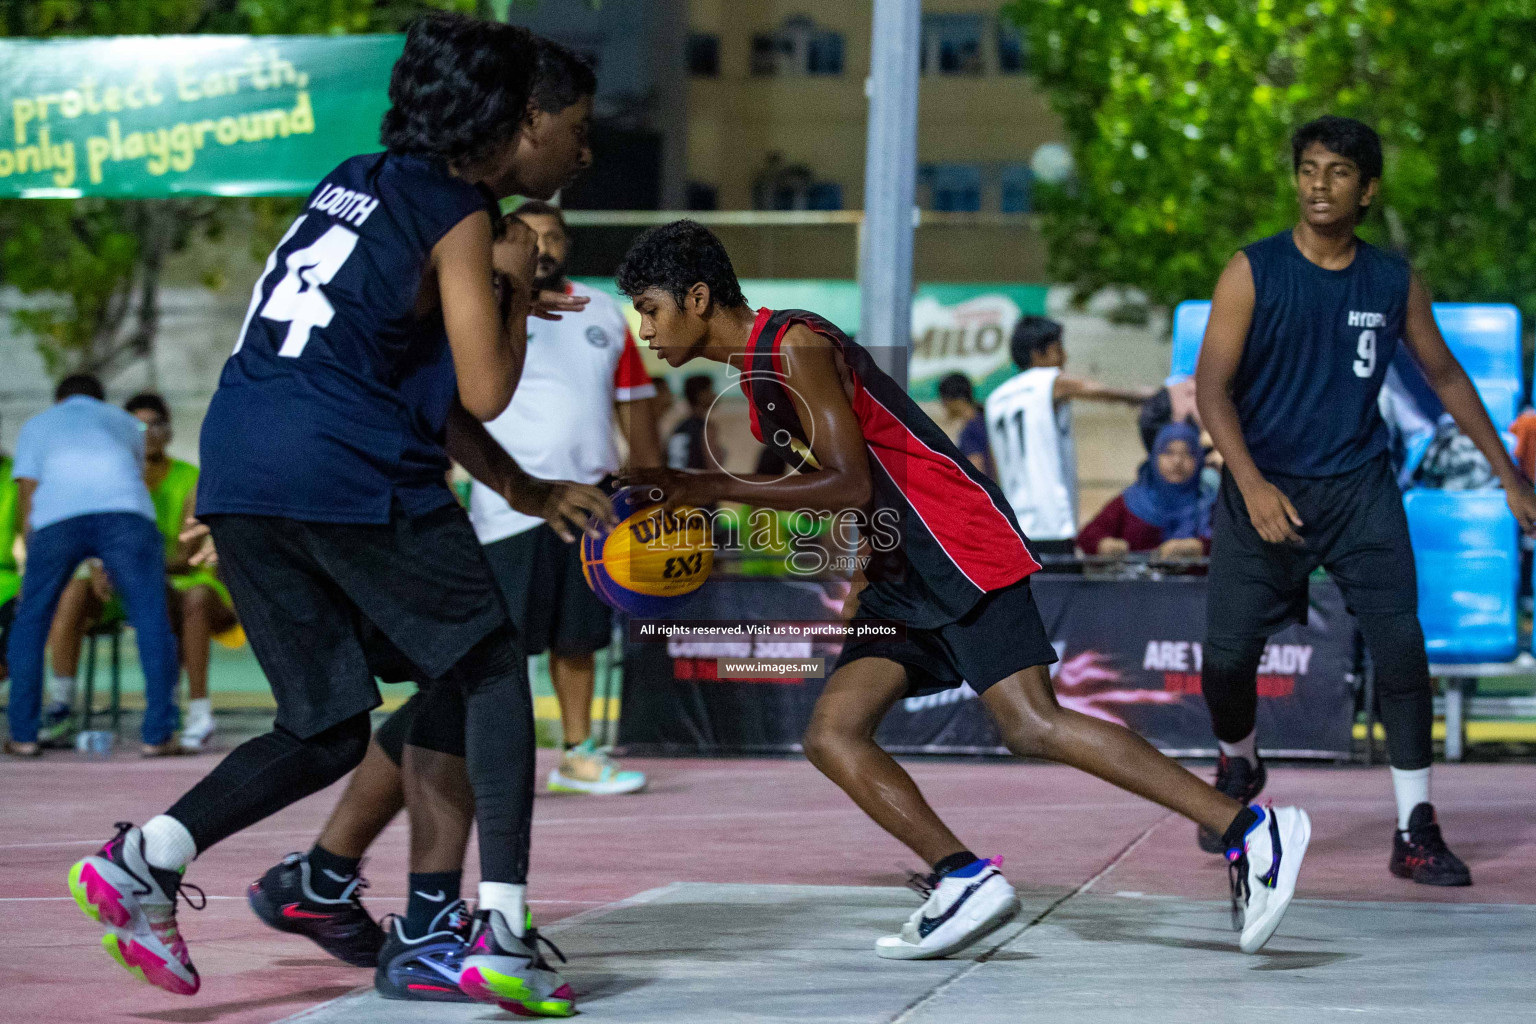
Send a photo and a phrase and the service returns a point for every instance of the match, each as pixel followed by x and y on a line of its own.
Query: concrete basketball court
pixel 752 890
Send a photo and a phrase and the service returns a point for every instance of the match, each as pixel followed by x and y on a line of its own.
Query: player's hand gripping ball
pixel 651 559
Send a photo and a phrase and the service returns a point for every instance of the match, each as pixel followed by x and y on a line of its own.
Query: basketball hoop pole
pixel 890 185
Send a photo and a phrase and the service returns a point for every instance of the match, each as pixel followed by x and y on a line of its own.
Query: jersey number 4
pixel 297 299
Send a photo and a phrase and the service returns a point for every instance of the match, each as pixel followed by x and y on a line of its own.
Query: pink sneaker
pixel 116 888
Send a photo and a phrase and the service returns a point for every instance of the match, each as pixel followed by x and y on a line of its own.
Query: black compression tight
pixel 1229 674
pixel 265 774
pixel 497 716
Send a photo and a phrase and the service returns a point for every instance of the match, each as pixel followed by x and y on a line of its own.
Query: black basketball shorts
pixel 1000 635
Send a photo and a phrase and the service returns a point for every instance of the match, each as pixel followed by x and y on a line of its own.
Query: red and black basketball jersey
pixel 955 536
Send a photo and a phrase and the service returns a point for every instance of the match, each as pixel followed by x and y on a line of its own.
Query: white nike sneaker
pixel 1264 872
pixel 960 909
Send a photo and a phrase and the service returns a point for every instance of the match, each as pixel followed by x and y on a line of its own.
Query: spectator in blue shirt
pixel 960 404
pixel 79 470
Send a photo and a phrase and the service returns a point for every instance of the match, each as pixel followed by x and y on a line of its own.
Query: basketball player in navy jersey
pixel 317 894
pixel 1303 327
pixel 958 580
pixel 324 492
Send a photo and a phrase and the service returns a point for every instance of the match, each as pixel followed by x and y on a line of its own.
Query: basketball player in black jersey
pixel 316 894
pixel 1303 326
pixel 375 332
pixel 956 578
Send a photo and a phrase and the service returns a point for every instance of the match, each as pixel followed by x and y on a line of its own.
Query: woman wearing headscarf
pixel 1163 510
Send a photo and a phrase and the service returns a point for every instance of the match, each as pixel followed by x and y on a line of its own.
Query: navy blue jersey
pixel 941 535
pixel 1315 358
pixel 334 405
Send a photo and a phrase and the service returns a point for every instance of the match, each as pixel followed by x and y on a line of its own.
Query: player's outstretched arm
pixel 1068 388
pixel 1272 513
pixel 488 338
pixel 566 506
pixel 1461 400
pixel 841 478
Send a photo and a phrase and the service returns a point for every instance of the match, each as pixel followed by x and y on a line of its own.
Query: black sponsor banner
pixel 1130 653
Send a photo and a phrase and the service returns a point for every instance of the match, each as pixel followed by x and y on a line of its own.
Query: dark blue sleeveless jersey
pixel 334 405
pixel 1316 355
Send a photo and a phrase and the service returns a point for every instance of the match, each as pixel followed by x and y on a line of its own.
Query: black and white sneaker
pixel 961 907
pixel 1264 870
pixel 1242 782
pixel 284 900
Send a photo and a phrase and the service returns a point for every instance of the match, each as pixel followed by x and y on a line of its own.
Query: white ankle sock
pixel 61 689
pixel 167 843
pixel 1246 748
pixel 1411 789
pixel 510 899
pixel 199 709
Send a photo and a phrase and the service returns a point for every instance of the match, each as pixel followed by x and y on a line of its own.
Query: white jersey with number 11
pixel 1031 437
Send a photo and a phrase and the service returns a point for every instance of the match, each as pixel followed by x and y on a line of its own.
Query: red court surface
pixel 768 821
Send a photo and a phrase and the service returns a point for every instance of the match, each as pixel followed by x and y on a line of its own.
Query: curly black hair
pixel 562 77
pixel 1344 136
pixel 460 88
pixel 677 256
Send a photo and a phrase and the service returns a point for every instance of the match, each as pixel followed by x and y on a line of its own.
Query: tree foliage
pixel 96 263
pixel 1179 112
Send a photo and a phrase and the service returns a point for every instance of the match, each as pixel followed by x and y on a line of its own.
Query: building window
pixel 703 55
pixel 1017 187
pixel 784 186
pixel 824 195
pixel 1012 56
pixel 951 188
pixel 797 47
pixel 824 55
pixel 952 44
pixel 701 196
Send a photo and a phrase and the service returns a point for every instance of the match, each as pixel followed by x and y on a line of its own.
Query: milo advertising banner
pixel 955 327
pixel 155 116
pixel 966 328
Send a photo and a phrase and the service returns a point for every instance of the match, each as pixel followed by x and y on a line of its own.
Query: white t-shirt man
pixel 1031 436
pixel 560 424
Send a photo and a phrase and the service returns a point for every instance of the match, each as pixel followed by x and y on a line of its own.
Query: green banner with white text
pixel 153 116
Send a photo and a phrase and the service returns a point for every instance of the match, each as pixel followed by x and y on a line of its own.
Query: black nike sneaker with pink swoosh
pixel 283 899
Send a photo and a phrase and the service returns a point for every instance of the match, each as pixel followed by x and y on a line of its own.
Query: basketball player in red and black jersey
pixel 958 580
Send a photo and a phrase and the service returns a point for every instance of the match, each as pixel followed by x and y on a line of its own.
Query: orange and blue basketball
pixel 652 559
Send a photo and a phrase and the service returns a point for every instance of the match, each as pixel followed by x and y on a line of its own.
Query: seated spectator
pixel 1174 402
pixel 693 443
pixel 1163 510
pixel 79 470
pixel 1524 429
pixel 1452 462
pixel 661 404
pixel 959 400
pixel 10 579
pixel 201 608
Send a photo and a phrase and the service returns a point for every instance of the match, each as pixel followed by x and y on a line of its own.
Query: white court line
pixel 976 965
pixel 1367 804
